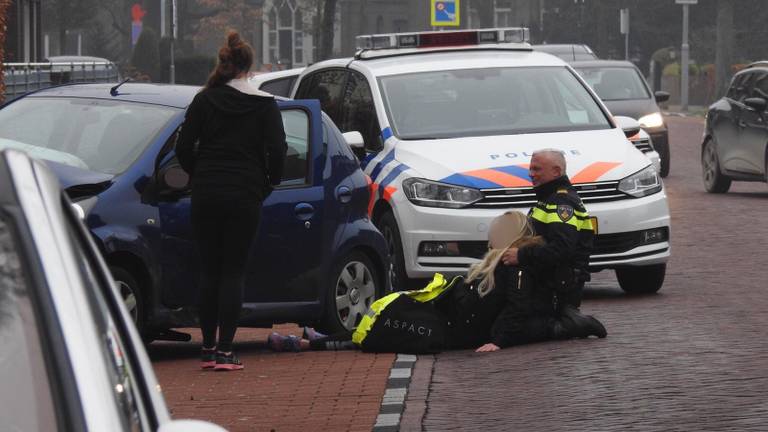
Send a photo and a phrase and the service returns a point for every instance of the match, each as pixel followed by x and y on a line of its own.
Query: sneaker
pixel 207 358
pixel 278 342
pixel 311 334
pixel 227 362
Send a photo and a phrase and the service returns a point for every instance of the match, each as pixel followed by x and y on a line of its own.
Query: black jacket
pixel 514 312
pixel 232 144
pixel 560 217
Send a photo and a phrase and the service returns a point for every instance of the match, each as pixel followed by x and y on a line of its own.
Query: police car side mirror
pixel 355 140
pixel 756 103
pixel 629 125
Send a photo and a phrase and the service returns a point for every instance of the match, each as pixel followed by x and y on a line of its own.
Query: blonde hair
pixel 512 229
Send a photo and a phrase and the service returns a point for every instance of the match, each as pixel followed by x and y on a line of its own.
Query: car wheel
pixel 642 279
pixel 398 278
pixel 130 292
pixel 354 285
pixel 663 151
pixel 714 180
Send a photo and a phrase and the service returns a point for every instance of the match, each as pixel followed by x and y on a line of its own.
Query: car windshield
pixel 489 101
pixel 94 134
pixel 615 83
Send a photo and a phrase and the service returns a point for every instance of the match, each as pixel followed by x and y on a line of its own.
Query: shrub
pixel 146 55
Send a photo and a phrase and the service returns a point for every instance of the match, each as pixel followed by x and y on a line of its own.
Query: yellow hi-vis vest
pixel 426 294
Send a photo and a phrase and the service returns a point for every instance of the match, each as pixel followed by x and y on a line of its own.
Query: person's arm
pixel 274 140
pixel 189 135
pixel 561 241
pixel 509 324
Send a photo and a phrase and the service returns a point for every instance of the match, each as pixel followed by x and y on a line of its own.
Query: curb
pixel 393 403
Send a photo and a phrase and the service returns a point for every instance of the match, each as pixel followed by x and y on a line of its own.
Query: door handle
pixel 343 194
pixel 304 211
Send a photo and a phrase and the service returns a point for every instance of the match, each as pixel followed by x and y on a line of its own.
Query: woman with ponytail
pixel 232 144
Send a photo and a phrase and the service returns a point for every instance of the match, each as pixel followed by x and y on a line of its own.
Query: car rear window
pixel 25 393
pixel 98 135
pixel 615 83
pixel 489 101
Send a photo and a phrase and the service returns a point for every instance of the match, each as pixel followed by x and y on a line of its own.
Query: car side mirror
pixel 756 103
pixel 629 125
pixel 355 140
pixel 173 181
pixel 661 96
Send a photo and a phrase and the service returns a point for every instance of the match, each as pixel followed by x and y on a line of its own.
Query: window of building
pixel 285 34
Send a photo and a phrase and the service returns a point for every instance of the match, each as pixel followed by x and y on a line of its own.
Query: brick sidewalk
pixel 309 391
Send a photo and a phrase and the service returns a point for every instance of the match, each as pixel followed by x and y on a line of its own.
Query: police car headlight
pixel 433 194
pixel 642 183
pixel 652 120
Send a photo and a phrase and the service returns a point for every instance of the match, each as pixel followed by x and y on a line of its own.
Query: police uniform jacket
pixel 560 217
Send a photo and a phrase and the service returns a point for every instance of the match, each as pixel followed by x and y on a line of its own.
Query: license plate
pixel 593 219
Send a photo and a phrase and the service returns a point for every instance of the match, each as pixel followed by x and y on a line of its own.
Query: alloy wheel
pixel 129 298
pixel 355 291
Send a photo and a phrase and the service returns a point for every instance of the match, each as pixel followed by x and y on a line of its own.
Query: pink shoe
pixel 311 334
pixel 227 362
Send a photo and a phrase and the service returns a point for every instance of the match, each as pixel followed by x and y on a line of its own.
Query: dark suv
pixel 734 146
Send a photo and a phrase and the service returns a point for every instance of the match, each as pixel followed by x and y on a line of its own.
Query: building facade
pixel 23 41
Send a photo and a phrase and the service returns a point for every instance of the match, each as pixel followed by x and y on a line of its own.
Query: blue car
pixel 318 258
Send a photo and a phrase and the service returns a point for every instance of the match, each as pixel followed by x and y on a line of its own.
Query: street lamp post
pixel 684 51
pixel 174 33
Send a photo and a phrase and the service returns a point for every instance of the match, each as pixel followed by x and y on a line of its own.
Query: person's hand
pixel 489 347
pixel 510 257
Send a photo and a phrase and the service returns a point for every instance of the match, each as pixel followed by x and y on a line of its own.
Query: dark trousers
pixel 335 342
pixel 224 232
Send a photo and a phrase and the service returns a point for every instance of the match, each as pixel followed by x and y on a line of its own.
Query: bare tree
pixel 4 5
pixel 327 22
pixel 723 46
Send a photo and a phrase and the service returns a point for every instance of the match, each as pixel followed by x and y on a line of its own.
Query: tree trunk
pixel 326 29
pixel 4 4
pixel 724 46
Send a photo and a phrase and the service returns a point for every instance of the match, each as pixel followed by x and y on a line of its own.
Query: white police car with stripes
pixel 449 121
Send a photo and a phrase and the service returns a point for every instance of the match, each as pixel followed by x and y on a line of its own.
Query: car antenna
pixel 113 90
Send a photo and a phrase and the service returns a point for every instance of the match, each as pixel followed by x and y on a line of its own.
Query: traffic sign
pixel 444 13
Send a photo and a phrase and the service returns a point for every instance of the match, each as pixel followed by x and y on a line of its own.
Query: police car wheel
pixel 398 278
pixel 714 180
pixel 641 279
pixel 130 292
pixel 354 285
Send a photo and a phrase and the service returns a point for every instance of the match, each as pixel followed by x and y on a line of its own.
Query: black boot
pixel 580 325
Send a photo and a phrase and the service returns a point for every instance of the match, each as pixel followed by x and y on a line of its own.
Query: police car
pixel 449 121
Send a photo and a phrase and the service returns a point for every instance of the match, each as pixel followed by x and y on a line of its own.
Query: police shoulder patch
pixel 565 212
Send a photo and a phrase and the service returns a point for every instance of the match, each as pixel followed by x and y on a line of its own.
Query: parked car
pixel 319 258
pixel 736 135
pixel 450 120
pixel 278 83
pixel 625 92
pixel 72 359
pixel 568 52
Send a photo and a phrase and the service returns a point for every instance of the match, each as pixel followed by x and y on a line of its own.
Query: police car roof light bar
pixel 450 38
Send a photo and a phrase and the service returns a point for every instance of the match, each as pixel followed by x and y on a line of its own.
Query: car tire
pixel 399 280
pixel 642 279
pixel 663 151
pixel 132 296
pixel 354 284
pixel 714 180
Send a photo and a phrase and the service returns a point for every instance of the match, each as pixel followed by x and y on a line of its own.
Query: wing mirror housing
pixel 629 125
pixel 756 103
pixel 661 96
pixel 355 140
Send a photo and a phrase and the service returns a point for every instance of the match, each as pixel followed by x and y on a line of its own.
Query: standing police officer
pixel 560 217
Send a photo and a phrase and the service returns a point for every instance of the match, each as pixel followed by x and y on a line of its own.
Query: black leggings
pixel 335 342
pixel 223 234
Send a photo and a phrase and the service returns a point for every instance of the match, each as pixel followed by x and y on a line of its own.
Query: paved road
pixel 693 357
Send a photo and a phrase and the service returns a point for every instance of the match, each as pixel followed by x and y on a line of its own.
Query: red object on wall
pixel 137 13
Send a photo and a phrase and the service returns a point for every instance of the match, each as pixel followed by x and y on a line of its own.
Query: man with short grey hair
pixel 560 217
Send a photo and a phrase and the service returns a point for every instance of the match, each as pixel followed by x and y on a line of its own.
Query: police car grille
pixel 644 145
pixel 526 197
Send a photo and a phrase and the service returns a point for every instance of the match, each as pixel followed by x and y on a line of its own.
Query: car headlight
pixel 642 183
pixel 433 194
pixel 652 120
